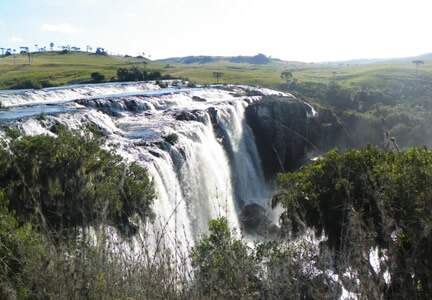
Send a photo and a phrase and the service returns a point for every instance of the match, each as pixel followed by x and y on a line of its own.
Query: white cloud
pixel 16 39
pixel 59 28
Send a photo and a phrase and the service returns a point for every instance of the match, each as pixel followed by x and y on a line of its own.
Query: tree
pixel 97 77
pixel 287 76
pixel 417 64
pixel 52 46
pixel 26 51
pixel 23 50
pixel 89 48
pixel 101 51
pixel 218 76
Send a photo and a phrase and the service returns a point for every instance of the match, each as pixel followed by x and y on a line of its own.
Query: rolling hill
pixel 54 68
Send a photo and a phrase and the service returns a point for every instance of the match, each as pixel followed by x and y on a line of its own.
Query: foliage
pixel 218 76
pixel 19 244
pixel 101 51
pixel 31 84
pixel 227 268
pixel 287 75
pixel 223 265
pixel 97 77
pixel 27 84
pixel 364 199
pixel 136 74
pixel 69 182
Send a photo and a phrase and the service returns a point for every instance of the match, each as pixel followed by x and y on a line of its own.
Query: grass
pixel 60 69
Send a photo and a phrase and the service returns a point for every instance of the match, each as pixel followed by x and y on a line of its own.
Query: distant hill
pixel 258 59
pixel 425 57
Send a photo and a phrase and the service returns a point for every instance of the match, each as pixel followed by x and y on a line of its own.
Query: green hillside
pixel 60 69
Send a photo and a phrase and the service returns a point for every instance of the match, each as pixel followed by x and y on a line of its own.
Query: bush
pixel 18 245
pixel 97 77
pixel 369 199
pixel 47 84
pixel 27 84
pixel 136 74
pixel 69 182
pixel 223 266
pixel 227 268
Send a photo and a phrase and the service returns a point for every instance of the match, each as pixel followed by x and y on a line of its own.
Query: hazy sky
pixel 306 30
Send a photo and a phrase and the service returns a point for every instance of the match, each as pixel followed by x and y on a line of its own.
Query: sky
pixel 301 30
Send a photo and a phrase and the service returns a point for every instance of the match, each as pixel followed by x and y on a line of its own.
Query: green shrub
pixel 366 199
pixel 97 77
pixel 137 74
pixel 69 182
pixel 19 244
pixel 224 268
pixel 26 84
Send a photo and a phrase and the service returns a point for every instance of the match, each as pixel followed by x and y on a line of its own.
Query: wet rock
pixel 198 99
pixel 195 115
pixel 287 134
pixel 171 138
pixel 185 116
pixel 252 217
pixel 155 153
pixel 254 220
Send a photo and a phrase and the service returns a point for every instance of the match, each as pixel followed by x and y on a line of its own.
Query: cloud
pixel 131 15
pixel 16 39
pixel 59 28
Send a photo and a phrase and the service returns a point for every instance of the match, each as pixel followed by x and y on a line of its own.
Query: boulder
pixel 255 221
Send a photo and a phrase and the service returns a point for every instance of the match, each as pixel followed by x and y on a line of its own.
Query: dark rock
pixel 154 153
pixel 198 99
pixel 286 133
pixel 195 115
pixel 252 217
pixel 254 220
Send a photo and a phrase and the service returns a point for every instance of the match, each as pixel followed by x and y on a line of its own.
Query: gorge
pixel 211 151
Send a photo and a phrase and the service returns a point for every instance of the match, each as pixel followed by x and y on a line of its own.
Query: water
pixel 30 111
pixel 212 170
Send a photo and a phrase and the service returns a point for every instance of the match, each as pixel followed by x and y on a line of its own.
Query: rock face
pixel 288 132
pixel 254 220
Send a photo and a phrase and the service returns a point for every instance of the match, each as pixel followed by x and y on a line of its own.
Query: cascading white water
pixel 246 166
pixel 61 95
pixel 211 170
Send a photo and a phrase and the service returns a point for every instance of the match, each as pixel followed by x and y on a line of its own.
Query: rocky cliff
pixel 289 131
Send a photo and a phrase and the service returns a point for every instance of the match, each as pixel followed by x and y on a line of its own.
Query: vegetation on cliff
pixel 52 190
pixel 363 201
pixel 69 181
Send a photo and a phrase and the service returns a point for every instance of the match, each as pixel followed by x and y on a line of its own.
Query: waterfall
pixel 212 169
